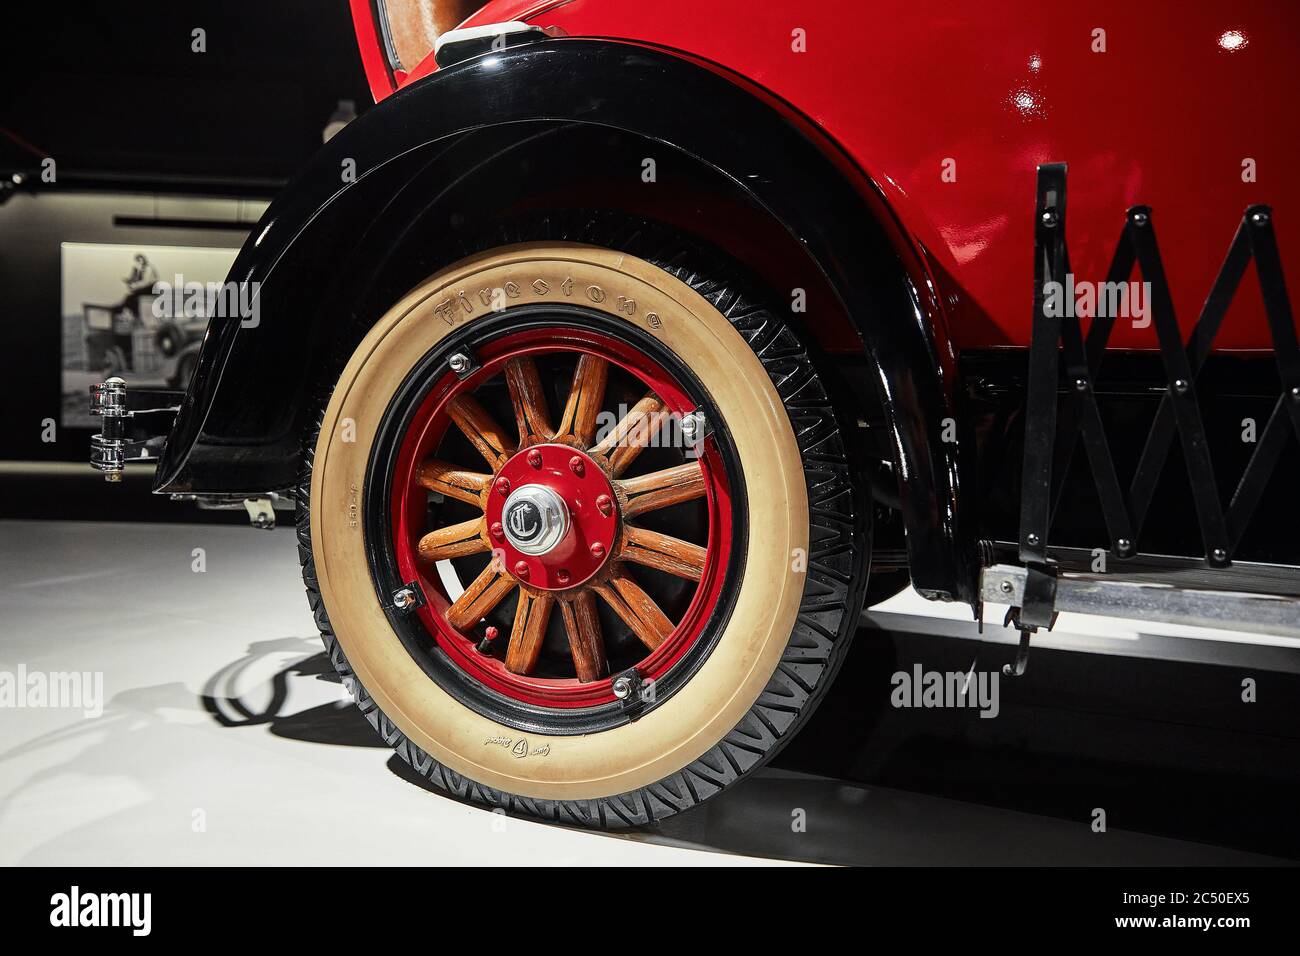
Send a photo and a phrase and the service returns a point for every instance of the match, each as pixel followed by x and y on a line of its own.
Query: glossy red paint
pixel 378 75
pixel 1166 115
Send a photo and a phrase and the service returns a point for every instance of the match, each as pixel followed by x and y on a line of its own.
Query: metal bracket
pixel 408 598
pixel 261 513
pixel 627 687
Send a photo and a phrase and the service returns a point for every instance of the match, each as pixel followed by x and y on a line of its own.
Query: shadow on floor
pixel 1166 749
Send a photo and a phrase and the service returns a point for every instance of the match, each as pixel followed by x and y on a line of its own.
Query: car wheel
pixel 579 529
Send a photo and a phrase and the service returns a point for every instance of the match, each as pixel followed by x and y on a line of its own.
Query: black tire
pixel 839 545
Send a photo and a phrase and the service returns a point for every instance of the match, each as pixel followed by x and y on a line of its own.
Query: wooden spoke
pixel 453 541
pixel 585 399
pixel 452 480
pixel 659 489
pixel 529 629
pixel 586 642
pixel 526 394
pixel 630 436
pixel 664 552
pixel 483 594
pixel 480 428
pixel 637 609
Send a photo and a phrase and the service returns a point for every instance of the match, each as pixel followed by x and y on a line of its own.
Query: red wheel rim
pixel 558 450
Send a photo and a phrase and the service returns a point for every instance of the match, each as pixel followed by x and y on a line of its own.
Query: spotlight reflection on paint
pixel 1233 41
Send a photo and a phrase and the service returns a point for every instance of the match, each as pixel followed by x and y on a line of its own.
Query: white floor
pixel 219 743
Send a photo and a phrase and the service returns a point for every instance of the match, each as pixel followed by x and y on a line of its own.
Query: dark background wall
pixel 140 126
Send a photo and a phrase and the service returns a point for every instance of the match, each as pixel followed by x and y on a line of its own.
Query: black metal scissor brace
pixel 1058 414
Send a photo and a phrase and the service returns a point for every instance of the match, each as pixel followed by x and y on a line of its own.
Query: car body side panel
pixel 1180 98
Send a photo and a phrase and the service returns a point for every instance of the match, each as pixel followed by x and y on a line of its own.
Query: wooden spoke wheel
pixel 579 530
pixel 561 542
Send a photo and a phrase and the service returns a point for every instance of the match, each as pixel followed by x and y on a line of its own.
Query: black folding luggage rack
pixel 1058 347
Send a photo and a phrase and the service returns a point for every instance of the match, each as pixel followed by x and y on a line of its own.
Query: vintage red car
pixel 622 351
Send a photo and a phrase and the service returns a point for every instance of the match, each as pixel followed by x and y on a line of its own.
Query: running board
pixel 1097 594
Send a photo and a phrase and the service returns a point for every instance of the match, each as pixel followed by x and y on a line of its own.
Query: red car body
pixel 1167 117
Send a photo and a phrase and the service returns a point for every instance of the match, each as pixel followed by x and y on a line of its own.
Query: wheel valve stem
pixel 489 636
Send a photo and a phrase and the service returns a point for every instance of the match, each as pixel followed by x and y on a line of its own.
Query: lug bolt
pixel 605 505
pixel 496 530
pixel 403 597
pixel 563 576
pixel 597 549
pixel 503 486
pixel 459 363
pixel 521 569
pixel 622 688
pixel 535 458
pixel 576 466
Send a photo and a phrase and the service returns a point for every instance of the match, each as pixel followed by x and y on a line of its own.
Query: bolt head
pixel 1081 384
pixel 1180 385
pixel 403 597
pixel 1219 555
pixel 1295 393
pixel 521 569
pixel 563 576
pixel 597 549
pixel 576 466
pixel 1259 218
pixel 1006 587
pixel 1032 540
pixel 1050 218
pixel 1124 545
pixel 496 530
pixel 502 486
pixel 1140 218
pixel 605 504
pixel 459 363
pixel 535 458
pixel 622 688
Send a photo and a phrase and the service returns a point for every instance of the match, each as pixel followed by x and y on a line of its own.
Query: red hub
pixel 550 528
pixel 590 530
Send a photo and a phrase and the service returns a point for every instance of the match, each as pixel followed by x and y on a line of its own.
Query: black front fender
pixel 239 426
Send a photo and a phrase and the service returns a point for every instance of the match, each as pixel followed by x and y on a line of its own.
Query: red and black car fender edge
pixel 239 425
